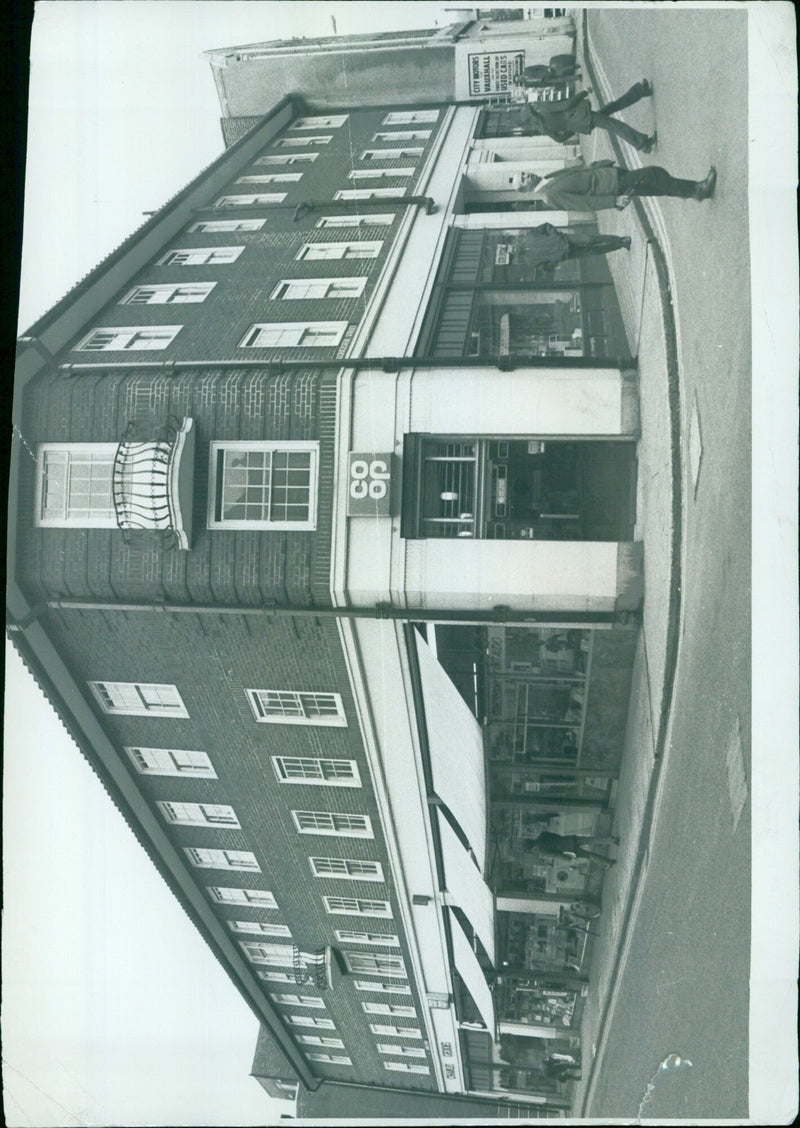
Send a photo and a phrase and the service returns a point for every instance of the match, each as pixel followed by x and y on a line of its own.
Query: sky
pixel 114 1010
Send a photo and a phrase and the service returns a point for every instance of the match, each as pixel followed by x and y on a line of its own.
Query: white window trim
pixel 405 1067
pixel 320 1040
pixel 94 521
pixel 337 329
pixel 379 987
pixel 356 285
pixel 333 833
pixel 392 1031
pixel 196 815
pixel 398 1010
pixel 401 1051
pixel 320 121
pixel 311 1021
pixel 330 1059
pixel 354 908
pixel 391 154
pixel 402 135
pixel 127 333
pixel 290 158
pixel 313 1002
pixel 164 292
pixel 208 253
pixel 322 252
pixel 248 200
pixel 298 142
pixel 411 117
pixel 375 939
pixel 369 219
pixel 260 928
pixel 220 859
pixel 376 876
pixel 353 959
pixel 215 226
pixel 331 720
pixel 353 780
pixel 177 710
pixel 379 173
pixel 311 448
pixel 369 194
pixel 262 898
pixel 175 770
pixel 279 955
pixel 276 976
pixel 270 178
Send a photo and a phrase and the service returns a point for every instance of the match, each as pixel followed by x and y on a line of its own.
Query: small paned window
pixel 333 822
pixel 395 1031
pixel 403 135
pixel 171 762
pixel 370 963
pixel 222 859
pixel 400 1010
pixel 381 987
pixel 257 199
pixel 198 814
pixel 296 707
pixel 288 158
pixel 129 338
pixel 405 1067
pixel 320 122
pixel 316 770
pixel 378 173
pixel 396 1050
pixel 351 869
pixel 390 154
pixel 364 249
pixel 73 485
pixel 330 1059
pixel 259 928
pixel 411 117
pixel 297 288
pixel 231 895
pixel 200 256
pixel 311 1020
pixel 380 939
pixel 210 226
pixel 369 193
pixel 312 1001
pixel 276 976
pixel 270 178
pixel 139 699
pixel 167 294
pixel 298 142
pixel 294 335
pixel 357 906
pixel 321 1040
pixel 276 955
pixel 263 485
pixel 371 219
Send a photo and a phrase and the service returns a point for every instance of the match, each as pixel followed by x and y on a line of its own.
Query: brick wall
pixel 212 660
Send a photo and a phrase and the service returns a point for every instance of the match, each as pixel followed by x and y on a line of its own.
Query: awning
pixel 455 741
pixel 466 888
pixel 471 973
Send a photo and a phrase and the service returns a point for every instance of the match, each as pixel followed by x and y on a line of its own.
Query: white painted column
pixel 491 221
pixel 529 1030
pixel 529 905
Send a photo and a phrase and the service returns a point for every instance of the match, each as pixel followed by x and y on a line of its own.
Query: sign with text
pixel 494 72
pixel 369 485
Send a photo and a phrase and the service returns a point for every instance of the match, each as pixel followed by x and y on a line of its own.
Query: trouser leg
pixel 583 853
pixel 654 181
pixel 629 98
pixel 582 245
pixel 633 136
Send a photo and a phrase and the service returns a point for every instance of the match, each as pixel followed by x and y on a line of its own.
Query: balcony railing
pixel 152 482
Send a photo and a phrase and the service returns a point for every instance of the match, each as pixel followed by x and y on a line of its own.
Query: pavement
pixel 643 282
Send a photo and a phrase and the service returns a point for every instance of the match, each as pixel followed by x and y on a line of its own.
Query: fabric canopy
pixel 466 888
pixel 455 741
pixel 471 972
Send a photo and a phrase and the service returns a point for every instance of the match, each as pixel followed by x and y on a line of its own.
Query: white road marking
pixel 737 778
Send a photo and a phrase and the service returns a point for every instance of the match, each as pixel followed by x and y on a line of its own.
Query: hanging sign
pixel 369 485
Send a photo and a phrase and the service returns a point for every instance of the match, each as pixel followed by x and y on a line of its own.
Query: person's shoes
pixel 647 89
pixel 616 836
pixel 626 246
pixel 649 144
pixel 704 189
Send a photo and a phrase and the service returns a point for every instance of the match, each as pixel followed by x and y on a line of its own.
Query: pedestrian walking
pixel 560 120
pixel 561 1071
pixel 604 185
pixel 548 845
pixel 549 245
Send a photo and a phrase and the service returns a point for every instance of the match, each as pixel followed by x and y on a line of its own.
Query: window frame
pixel 320 121
pixel 373 939
pixel 366 832
pixel 311 1021
pixel 298 447
pixel 313 1002
pixel 280 955
pixel 411 117
pixel 368 219
pixel 269 178
pixel 173 813
pixel 299 328
pixel 168 290
pixel 326 252
pixel 356 283
pixel 382 987
pixel 330 1059
pixel 194 771
pixel 267 900
pixel 178 710
pixel 390 1030
pixel 272 159
pixel 320 1040
pixel 423 135
pixel 375 876
pixel 105 452
pixel 220 855
pixel 327 720
pixel 260 928
pixel 372 960
pixel 391 154
pixel 380 173
pixel 355 906
pixel 232 253
pixel 249 199
pixel 370 193
pixel 352 780
pixel 392 1050
pixel 298 142
pixel 397 1010
pixel 130 333
pixel 406 1067
pixel 219 226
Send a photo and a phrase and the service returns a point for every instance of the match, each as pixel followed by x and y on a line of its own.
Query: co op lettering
pixel 369 478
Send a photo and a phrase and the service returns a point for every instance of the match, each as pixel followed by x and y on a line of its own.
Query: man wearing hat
pixel 560 120
pixel 604 185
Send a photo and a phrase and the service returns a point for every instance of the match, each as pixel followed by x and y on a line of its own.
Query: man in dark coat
pixel 547 845
pixel 560 120
pixel 604 185
pixel 550 245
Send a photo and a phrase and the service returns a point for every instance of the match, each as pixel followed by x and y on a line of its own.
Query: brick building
pixel 307 438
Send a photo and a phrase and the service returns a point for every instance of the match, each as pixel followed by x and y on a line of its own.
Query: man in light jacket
pixel 560 120
pixel 604 185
